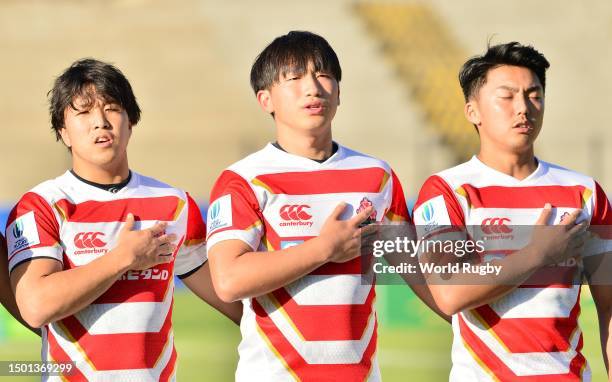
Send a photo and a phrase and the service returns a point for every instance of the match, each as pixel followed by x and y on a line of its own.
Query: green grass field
pixel 207 343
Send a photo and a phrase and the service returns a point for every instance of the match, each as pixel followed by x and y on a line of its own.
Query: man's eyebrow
pixel 509 88
pixel 515 90
pixel 534 88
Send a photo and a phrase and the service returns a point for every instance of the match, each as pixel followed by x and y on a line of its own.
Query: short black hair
pixel 293 52
pixel 89 78
pixel 473 74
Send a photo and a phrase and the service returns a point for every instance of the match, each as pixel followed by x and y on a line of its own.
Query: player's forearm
pixel 452 299
pixel 61 294
pixel 200 283
pixel 254 274
pixel 8 301
pixel 416 282
pixel 7 298
pixel 423 293
pixel 467 291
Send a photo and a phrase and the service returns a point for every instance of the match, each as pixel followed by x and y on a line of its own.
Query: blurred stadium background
pixel 189 61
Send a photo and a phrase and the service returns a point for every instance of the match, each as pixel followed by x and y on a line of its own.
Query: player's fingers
pixel 544 215
pixel 369 230
pixel 165 238
pixel 129 222
pixel 579 229
pixel 166 249
pixel 571 219
pixel 362 216
pixel 353 253
pixel 163 259
pixel 335 215
pixel 158 228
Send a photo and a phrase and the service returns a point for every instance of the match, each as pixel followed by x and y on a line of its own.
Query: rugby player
pixel 522 326
pixel 284 227
pixel 92 254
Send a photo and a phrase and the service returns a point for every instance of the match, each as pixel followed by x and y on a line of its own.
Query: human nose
pixel 521 104
pixel 99 119
pixel 312 87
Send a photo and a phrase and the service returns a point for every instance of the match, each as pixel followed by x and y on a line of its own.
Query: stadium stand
pixel 426 57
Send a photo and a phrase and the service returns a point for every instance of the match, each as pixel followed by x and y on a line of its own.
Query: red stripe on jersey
pixel 149 285
pixel 121 351
pixel 341 322
pixel 531 335
pixel 324 181
pixel 170 367
pixel 524 197
pixel 245 207
pixel 274 243
pixel 351 267
pixel 196 228
pixel 601 222
pixel 553 277
pixel 156 208
pixel 546 277
pixel 494 365
pixel 59 355
pixel 308 372
pixel 398 205
pixel 435 186
pixel 46 223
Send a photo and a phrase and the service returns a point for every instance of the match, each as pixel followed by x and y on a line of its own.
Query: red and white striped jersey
pixel 125 334
pixel 532 333
pixel 321 327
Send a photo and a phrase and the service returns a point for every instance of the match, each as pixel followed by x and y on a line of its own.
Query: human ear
pixel 471 112
pixel 264 99
pixel 65 136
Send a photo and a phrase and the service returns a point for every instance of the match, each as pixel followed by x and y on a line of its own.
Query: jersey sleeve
pixel 192 253
pixel 32 231
pixel 601 225
pixel 437 211
pixel 234 212
pixel 398 210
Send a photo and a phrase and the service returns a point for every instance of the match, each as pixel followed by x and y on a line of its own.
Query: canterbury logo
pixel 495 225
pixel 295 212
pixel 89 240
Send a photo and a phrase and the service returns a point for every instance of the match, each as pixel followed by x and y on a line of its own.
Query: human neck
pixel 102 175
pixel 517 165
pixel 312 146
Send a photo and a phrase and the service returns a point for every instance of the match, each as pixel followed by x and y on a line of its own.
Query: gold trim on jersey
pixel 189 243
pixel 395 217
pixel 61 376
pixel 72 340
pixel 179 209
pixel 257 223
pixel 267 243
pixel 60 211
pixel 586 195
pixel 276 353
pixel 383 183
pixel 461 191
pixel 282 310
pixel 259 183
pixel 489 329
pixel 480 361
pixel 161 353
